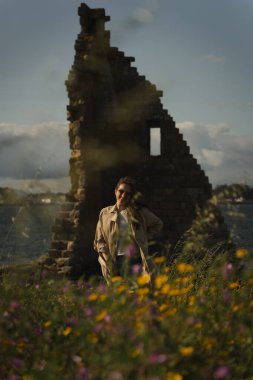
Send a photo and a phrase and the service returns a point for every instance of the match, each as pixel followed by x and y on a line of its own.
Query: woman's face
pixel 123 195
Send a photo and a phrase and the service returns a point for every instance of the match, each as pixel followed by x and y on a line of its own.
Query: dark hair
pixel 137 201
pixel 129 182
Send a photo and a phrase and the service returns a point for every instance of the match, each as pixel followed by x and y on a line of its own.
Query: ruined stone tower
pixel 112 112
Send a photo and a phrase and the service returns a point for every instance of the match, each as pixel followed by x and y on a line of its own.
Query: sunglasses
pixel 121 191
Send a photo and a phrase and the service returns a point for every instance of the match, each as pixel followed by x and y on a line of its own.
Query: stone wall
pixel 111 112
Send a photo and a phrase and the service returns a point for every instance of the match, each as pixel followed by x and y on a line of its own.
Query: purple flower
pixel 14 305
pixel 37 330
pixel 98 327
pixel 157 358
pixel 17 363
pixel 81 284
pixel 131 250
pixel 24 339
pixel 82 374
pixel 108 318
pixel 102 288
pixel 227 270
pixel 221 372
pixel 13 377
pixel 72 321
pixel 226 296
pixel 88 312
pixel 136 269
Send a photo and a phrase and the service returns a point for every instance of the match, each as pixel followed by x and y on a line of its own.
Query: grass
pixel 194 322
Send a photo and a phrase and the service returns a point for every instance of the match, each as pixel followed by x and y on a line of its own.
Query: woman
pixel 123 232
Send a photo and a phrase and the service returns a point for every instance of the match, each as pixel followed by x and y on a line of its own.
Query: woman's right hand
pixel 104 257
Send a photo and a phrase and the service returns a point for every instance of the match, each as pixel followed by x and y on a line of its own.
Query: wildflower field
pixel 194 322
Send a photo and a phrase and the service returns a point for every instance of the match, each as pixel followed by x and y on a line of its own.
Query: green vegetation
pixel 194 322
pixel 235 191
pixel 13 197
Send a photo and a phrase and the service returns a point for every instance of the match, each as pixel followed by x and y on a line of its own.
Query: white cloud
pixel 225 157
pixel 34 151
pixel 142 16
pixel 213 158
pixel 215 58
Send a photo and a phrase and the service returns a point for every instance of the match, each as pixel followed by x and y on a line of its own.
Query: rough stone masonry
pixel 112 113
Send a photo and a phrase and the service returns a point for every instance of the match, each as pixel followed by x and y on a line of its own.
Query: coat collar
pixel 114 213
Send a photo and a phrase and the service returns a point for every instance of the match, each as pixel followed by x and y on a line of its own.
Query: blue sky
pixel 199 52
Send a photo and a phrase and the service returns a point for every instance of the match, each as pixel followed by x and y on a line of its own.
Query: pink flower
pixel 157 358
pixel 221 372
pixel 14 305
pixel 227 270
pixel 115 375
pixel 98 327
pixel 82 373
pixel 226 296
pixel 136 269
pixel 17 363
pixel 131 250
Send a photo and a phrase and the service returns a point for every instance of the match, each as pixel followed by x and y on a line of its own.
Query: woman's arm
pixel 153 223
pixel 100 244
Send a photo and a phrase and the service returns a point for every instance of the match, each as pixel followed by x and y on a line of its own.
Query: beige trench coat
pixel 142 230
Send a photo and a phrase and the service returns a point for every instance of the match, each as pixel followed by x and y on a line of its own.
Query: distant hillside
pixel 11 196
pixel 235 191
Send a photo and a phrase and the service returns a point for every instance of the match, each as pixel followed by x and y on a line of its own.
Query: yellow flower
pixel 250 281
pixel 174 292
pixel 165 289
pixel 183 280
pixel 93 297
pixel 184 268
pixel 233 285
pixel 103 297
pixel 141 311
pixel 163 307
pixel 67 331
pixel 159 260
pixel 142 291
pixel 173 376
pixel 213 289
pixel 171 312
pixel 186 351
pixel 101 315
pixel 241 252
pixel 185 290
pixel 47 324
pixel 116 279
pixel 236 308
pixel 192 300
pixel 121 288
pixel 92 338
pixel 209 343
pixel 143 279
pixel 26 377
pixel 160 280
pixel 251 304
pixel 139 325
